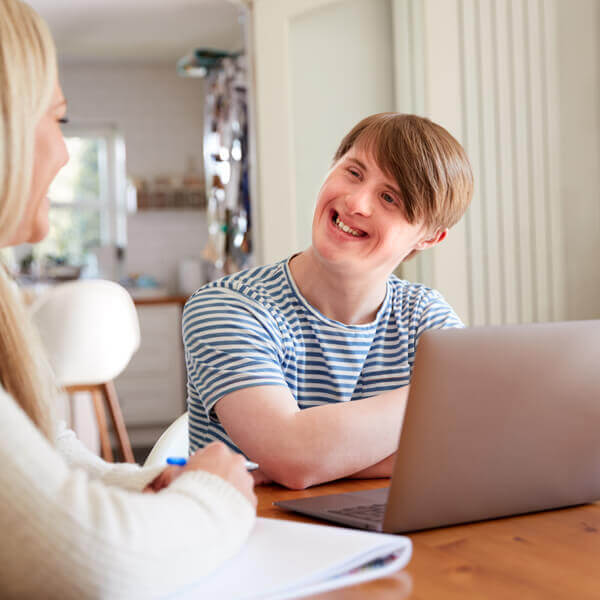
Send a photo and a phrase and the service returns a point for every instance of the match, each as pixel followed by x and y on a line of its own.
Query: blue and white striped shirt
pixel 255 328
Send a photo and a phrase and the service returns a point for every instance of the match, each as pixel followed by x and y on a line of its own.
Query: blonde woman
pixel 74 526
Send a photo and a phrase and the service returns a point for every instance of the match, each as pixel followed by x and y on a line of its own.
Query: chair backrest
pixel 173 442
pixel 89 329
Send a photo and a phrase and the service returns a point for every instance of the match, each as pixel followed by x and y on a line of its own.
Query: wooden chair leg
pixel 105 446
pixel 118 422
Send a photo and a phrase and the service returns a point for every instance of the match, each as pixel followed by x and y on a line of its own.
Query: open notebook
pixel 284 559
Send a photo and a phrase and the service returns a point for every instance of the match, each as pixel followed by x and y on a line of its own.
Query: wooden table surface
pixel 554 554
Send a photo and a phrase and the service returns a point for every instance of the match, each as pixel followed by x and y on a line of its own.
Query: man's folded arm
pixel 299 448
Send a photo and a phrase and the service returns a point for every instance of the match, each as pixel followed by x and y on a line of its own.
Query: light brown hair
pixel 28 74
pixel 430 167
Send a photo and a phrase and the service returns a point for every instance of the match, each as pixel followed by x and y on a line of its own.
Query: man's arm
pixel 383 468
pixel 299 448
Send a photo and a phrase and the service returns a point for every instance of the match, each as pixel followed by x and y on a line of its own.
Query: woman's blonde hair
pixel 28 75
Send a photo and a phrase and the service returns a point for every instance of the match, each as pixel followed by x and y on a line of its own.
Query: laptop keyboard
pixel 366 512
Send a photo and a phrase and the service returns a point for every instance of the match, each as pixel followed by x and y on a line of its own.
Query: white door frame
pixel 277 215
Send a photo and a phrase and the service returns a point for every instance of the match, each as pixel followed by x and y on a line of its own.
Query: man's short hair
pixel 430 167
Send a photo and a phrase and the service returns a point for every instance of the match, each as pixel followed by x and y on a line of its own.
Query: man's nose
pixel 360 202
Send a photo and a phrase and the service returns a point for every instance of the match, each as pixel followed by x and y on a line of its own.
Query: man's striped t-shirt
pixel 254 328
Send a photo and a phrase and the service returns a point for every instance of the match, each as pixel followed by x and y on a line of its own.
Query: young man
pixel 304 365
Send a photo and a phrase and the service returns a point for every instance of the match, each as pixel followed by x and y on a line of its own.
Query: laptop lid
pixel 500 421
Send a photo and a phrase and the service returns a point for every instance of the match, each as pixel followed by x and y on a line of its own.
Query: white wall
pixel 159 240
pixel 320 65
pixel 579 62
pixel 341 71
pixel 159 113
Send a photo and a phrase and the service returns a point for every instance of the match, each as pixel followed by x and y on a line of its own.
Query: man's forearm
pixel 299 448
pixel 343 439
pixel 383 468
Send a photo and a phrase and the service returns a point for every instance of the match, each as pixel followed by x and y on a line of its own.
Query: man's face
pixel 359 223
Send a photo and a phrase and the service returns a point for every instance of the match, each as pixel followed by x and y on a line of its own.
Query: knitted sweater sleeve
pixel 66 535
pixel 125 475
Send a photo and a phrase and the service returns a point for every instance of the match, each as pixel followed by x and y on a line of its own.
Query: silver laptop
pixel 500 421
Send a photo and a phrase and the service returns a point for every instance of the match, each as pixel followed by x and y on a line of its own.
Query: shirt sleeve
pixel 75 537
pixel 231 342
pixel 434 312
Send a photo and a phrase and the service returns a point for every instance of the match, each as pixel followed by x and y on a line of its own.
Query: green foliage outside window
pixel 78 203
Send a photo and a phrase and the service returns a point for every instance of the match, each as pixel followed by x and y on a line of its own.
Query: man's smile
pixel 346 228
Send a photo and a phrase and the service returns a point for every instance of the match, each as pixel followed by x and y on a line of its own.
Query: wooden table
pixel 554 554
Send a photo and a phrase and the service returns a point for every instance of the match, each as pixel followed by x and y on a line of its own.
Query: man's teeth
pixel 341 225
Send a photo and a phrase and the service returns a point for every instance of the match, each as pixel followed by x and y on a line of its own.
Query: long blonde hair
pixel 28 74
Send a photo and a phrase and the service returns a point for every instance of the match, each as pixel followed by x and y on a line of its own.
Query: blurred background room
pixel 200 130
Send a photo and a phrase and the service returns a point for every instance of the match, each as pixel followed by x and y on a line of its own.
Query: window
pixel 88 197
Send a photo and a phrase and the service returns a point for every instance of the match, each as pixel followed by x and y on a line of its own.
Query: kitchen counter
pixel 160 300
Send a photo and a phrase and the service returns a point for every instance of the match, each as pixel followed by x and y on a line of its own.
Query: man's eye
pixel 63 121
pixel 388 198
pixel 354 172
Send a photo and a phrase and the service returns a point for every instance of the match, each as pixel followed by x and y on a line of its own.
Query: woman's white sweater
pixel 73 526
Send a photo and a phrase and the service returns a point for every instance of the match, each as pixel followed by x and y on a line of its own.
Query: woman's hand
pixel 218 459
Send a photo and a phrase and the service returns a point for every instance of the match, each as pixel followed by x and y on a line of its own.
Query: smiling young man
pixel 305 365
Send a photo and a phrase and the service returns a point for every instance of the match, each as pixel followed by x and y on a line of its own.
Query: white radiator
pixel 508 95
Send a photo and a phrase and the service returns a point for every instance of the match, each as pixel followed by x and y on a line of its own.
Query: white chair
pixel 90 331
pixel 173 442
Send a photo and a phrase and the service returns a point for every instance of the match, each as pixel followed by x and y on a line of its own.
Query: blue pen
pixel 180 461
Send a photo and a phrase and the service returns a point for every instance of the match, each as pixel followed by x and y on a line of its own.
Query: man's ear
pixel 435 239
